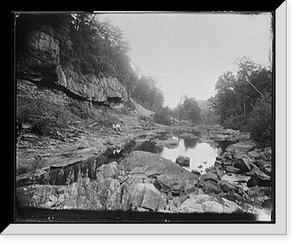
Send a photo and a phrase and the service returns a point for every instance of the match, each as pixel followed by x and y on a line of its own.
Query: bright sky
pixel 187 52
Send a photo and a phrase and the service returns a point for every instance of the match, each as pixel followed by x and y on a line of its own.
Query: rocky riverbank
pixel 130 178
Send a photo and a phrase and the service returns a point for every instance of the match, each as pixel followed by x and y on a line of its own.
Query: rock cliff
pixel 39 62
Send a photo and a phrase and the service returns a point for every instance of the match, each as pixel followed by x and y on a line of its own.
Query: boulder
pixel 259 178
pixel 83 194
pixel 209 176
pixel 254 155
pixel 217 169
pixel 193 203
pixel 109 194
pixel 197 173
pixel 227 187
pixel 107 170
pixel 234 197
pixel 241 147
pixel 242 162
pixel 166 171
pixel 231 169
pixel 208 204
pixel 183 161
pixel 212 207
pixel 210 186
pixel 230 206
pixel 145 196
pixel 236 179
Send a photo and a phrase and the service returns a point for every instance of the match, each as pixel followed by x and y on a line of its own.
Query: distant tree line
pixel 91 46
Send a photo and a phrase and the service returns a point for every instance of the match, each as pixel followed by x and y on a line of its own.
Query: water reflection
pixel 190 143
pixel 202 154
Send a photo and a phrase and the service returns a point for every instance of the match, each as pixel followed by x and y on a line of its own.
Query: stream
pixel 202 154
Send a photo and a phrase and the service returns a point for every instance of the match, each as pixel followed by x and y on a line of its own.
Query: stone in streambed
pixel 183 161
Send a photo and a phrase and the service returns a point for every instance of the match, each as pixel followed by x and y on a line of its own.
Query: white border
pixel 280 227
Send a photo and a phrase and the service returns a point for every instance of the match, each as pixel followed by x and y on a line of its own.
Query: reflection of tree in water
pixel 190 143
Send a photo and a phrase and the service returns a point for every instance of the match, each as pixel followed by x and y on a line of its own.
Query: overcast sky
pixel 186 53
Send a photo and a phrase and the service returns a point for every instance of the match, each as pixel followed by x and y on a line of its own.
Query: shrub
pixel 79 109
pixel 163 119
pixel 260 123
pixel 236 122
pixel 44 117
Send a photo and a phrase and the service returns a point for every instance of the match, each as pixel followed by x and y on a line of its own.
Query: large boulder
pixel 243 162
pixel 203 203
pixel 166 171
pixel 83 194
pixel 145 195
pixel 209 187
pixel 107 171
pixel 241 147
pixel 231 169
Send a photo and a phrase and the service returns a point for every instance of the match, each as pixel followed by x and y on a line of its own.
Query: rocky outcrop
pixel 241 147
pixel 164 170
pixel 39 63
pixel 143 181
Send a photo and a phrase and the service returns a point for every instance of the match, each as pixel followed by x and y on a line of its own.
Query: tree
pixel 90 46
pixel 188 110
pixel 163 116
pixel 243 101
pixel 148 94
pixel 260 121
pixel 191 110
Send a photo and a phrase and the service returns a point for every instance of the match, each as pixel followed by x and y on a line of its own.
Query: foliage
pixel 79 109
pixel 163 116
pixel 260 122
pixel 92 46
pixel 239 122
pixel 44 117
pixel 243 100
pixel 188 110
pixel 148 94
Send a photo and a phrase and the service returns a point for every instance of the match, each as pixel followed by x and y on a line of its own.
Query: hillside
pixel 61 106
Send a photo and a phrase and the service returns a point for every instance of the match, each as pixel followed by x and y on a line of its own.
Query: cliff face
pixel 39 63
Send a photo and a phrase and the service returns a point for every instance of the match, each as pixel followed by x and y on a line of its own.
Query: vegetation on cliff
pixel 91 47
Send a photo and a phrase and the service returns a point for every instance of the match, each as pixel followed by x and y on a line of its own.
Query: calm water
pixel 200 153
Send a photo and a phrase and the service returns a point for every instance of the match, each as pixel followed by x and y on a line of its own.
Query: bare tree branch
pixel 256 90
